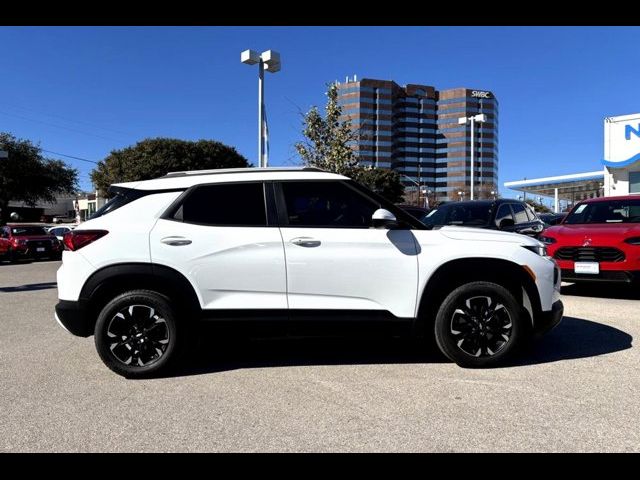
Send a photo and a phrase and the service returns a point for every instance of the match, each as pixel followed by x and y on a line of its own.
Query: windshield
pixel 612 211
pixel 468 214
pixel 28 231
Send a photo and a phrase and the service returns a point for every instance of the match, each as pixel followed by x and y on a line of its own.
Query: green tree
pixel 328 145
pixel 538 207
pixel 155 157
pixel 26 176
pixel 382 181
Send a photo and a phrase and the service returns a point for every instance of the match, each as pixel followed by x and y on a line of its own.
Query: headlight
pixel 539 250
pixel 547 240
pixel 633 241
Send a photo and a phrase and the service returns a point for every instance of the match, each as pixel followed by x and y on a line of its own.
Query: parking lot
pixel 575 390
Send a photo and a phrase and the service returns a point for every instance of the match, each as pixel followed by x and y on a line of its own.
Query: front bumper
pixel 546 321
pixel 616 276
pixel 73 317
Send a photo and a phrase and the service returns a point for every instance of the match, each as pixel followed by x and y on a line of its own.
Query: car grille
pixel 590 254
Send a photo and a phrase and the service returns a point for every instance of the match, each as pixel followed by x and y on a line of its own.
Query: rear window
pixel 121 196
pixel 28 231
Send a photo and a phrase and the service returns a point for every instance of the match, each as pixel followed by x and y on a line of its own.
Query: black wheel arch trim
pixel 167 279
pixel 441 280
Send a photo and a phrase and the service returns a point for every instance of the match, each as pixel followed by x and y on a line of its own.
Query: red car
pixel 28 241
pixel 599 240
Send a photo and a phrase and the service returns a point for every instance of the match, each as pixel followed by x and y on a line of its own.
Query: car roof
pixel 605 199
pixel 469 202
pixel 186 179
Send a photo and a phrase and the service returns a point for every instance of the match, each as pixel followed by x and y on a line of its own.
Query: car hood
pixel 594 230
pixel 480 234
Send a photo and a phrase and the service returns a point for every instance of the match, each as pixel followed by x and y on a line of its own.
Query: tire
pixel 133 318
pixel 480 324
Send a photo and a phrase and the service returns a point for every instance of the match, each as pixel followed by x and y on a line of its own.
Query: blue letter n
pixel 628 129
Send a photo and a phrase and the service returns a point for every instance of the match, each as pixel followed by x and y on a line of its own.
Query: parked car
pixel 60 231
pixel 551 219
pixel 28 241
pixel 502 214
pixel 300 246
pixel 598 241
pixel 414 210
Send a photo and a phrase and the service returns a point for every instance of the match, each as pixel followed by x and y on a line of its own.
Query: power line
pixel 79 122
pixel 70 156
pixel 59 126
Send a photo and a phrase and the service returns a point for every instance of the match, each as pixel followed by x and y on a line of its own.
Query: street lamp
pixel 493 194
pixel 480 118
pixel 272 61
pixel 461 195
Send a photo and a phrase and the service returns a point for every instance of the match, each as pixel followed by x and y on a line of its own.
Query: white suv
pixel 294 245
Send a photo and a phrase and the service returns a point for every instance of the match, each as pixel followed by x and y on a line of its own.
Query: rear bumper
pixel 546 321
pixel 73 318
pixel 615 276
pixel 31 253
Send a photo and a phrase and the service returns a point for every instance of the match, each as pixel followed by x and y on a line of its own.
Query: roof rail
pixel 218 171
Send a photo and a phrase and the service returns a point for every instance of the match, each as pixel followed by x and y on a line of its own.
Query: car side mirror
pixel 506 223
pixel 382 218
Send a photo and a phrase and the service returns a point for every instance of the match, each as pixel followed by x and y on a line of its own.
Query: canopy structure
pixel 572 188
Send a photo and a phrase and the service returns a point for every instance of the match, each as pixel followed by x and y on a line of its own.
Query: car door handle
pixel 306 242
pixel 176 241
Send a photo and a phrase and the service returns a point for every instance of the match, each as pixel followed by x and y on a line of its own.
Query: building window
pixel 634 182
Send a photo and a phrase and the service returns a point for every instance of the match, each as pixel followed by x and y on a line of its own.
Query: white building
pixel 622 155
pixel 620 175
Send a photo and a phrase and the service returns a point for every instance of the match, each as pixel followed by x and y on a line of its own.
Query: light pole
pixel 272 61
pixel 480 118
pixel 414 182
pixel 493 194
pixel 461 195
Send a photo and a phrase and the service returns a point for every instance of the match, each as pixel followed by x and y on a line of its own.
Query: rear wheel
pixel 137 335
pixel 479 324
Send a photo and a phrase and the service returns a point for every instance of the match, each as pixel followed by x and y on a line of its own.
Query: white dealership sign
pixel 621 140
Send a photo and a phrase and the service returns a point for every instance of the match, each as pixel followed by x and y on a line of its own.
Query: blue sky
pixel 84 91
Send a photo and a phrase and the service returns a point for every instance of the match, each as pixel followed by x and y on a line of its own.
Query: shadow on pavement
pixel 30 287
pixel 621 291
pixel 573 338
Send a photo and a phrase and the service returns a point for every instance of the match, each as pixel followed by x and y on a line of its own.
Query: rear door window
pixel 229 204
pixel 503 213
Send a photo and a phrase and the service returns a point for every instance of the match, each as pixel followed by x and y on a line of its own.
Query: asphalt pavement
pixel 576 390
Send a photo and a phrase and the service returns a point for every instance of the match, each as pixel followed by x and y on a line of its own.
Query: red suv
pixel 28 241
pixel 599 240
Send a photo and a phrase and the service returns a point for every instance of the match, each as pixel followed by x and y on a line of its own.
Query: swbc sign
pixel 480 94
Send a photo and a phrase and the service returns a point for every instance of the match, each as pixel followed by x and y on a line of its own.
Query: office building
pixel 414 130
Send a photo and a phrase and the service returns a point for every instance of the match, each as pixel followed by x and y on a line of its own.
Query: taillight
pixel 76 239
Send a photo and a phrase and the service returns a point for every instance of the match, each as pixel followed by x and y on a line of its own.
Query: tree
pixel 155 157
pixel 328 145
pixel 382 181
pixel 538 207
pixel 29 177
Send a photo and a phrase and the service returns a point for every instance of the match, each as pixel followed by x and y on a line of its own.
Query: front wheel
pixel 136 334
pixel 479 324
